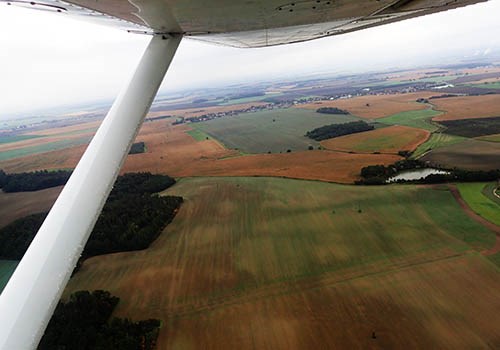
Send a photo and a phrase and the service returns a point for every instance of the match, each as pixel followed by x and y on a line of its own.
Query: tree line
pixel 33 181
pixel 336 130
pixel 84 323
pixel 132 218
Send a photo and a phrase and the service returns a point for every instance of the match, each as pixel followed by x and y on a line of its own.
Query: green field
pixel 16 138
pixel 267 254
pixel 7 268
pixel 258 133
pixel 198 135
pixel 416 119
pixel 435 141
pixel 47 147
pixel 486 86
pixel 482 205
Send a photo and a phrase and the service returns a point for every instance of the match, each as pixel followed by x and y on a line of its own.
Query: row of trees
pixel 33 181
pixel 336 130
pixel 132 218
pixel 84 323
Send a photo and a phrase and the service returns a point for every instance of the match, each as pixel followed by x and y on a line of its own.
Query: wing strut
pixel 33 291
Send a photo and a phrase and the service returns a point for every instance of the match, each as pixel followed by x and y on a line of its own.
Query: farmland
pixel 385 140
pixel 464 107
pixel 416 119
pixel 19 204
pixel 285 263
pixel 472 127
pixel 472 193
pixel 491 138
pixel 435 141
pixel 269 131
pixel 375 106
pixel 470 154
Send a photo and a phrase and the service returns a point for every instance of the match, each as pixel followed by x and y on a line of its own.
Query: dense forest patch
pixel 33 181
pixel 336 130
pixel 83 322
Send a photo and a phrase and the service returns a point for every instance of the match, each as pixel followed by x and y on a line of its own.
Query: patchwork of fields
pixel 276 263
pixel 272 131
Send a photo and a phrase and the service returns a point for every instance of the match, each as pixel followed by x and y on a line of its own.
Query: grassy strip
pixel 17 138
pixel 490 138
pixel 483 206
pixel 437 140
pixel 416 119
pixel 198 135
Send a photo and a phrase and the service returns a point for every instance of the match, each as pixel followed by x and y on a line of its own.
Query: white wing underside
pixel 246 23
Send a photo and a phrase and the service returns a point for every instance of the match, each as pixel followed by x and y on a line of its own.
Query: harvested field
pixel 386 140
pixel 379 106
pixel 272 131
pixel 464 107
pixel 275 263
pixel 16 205
pixel 67 130
pixel 470 154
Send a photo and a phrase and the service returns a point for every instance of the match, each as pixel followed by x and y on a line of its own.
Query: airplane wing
pixel 246 23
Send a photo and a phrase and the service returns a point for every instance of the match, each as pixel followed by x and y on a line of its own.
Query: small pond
pixel 416 174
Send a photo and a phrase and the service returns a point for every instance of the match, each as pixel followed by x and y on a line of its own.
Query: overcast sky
pixel 48 60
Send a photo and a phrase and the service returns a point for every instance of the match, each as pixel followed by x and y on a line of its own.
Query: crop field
pixel 16 205
pixel 464 107
pixel 495 85
pixel 270 131
pixel 490 138
pixel 7 268
pixel 44 147
pixel 435 141
pixel 375 106
pixel 276 263
pixel 473 194
pixel 16 138
pixel 416 119
pixel 385 140
pixel 469 154
pixel 198 135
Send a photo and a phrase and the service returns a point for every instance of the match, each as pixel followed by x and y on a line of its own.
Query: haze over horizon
pixel 86 62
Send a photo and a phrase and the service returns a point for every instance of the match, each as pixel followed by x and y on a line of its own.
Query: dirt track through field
pixel 470 213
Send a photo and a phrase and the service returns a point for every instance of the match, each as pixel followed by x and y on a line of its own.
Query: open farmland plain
pixel 385 140
pixel 276 263
pixel 421 119
pixel 473 194
pixel 171 150
pixel 272 131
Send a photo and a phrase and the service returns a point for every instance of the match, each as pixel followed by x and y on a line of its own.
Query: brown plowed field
pixel 14 206
pixel 171 151
pixel 465 107
pixel 386 140
pixel 379 105
pixel 66 129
